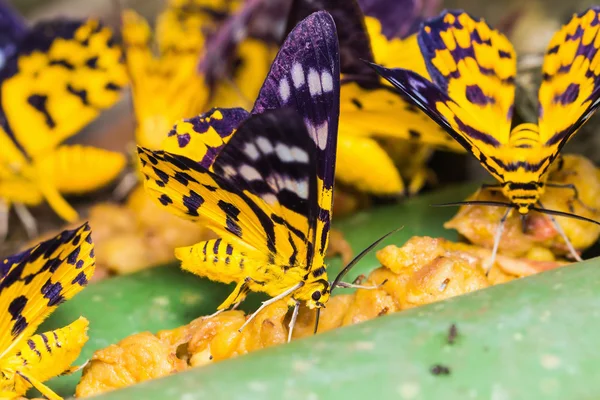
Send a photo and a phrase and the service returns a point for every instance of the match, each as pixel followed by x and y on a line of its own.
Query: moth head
pixel 315 292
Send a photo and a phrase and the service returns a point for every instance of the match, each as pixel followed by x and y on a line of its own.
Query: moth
pixel 55 77
pixel 473 69
pixel 264 186
pixel 163 66
pixel 372 114
pixel 33 284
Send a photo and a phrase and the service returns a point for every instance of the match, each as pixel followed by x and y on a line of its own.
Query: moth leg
pixel 497 238
pixel 423 176
pixel 125 185
pixel 575 197
pixel 355 286
pixel 43 389
pixel 562 233
pixel 293 320
pixel 271 301
pixel 236 297
pixel 27 220
pixel 4 213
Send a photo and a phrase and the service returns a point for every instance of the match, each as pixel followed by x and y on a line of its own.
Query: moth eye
pixel 316 295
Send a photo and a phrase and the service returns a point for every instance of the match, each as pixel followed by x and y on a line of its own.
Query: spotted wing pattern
pixel 475 66
pixel 570 90
pixel 306 79
pixel 63 74
pixel 354 42
pixel 37 280
pixel 259 193
pixel 203 137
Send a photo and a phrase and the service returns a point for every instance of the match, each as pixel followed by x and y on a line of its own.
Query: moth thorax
pixel 524 136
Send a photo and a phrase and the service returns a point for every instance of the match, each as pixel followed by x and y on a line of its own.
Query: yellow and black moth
pixel 266 186
pixel 55 78
pixel 33 284
pixel 473 69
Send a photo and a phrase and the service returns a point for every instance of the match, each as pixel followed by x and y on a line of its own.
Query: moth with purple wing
pixel 380 131
pixel 264 187
pixel 471 96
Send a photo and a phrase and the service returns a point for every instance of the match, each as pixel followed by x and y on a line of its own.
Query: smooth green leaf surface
pixel 527 339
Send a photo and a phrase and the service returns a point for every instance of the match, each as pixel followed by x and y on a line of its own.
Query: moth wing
pixel 12 30
pixel 473 65
pixel 36 281
pixel 203 137
pixel 446 113
pixel 305 78
pixel 570 91
pixel 76 169
pixel 62 75
pixel 259 193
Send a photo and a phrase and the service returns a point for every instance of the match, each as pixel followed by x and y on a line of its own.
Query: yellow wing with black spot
pixel 257 198
pixel 203 137
pixel 62 75
pixel 570 90
pixel 475 66
pixel 471 97
pixel 33 283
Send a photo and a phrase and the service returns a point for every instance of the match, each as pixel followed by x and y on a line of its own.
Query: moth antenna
pixel 562 233
pixel 356 259
pixel 475 203
pixel 563 214
pixel 497 238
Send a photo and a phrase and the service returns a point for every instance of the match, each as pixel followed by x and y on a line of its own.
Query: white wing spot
pixel 251 151
pixel 302 189
pixel 299 155
pixel 284 153
pixel 269 198
pixel 326 81
pixel 264 145
pixel 284 89
pixel 228 170
pixel 298 75
pixel 322 133
pixel 314 83
pixel 250 173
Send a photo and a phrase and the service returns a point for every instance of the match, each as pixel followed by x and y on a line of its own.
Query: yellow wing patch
pixel 201 138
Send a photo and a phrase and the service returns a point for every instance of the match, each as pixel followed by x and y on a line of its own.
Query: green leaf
pixel 531 338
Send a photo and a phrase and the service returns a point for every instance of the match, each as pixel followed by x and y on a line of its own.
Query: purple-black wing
pixel 399 18
pixel 305 77
pixel 354 41
pixel 12 30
